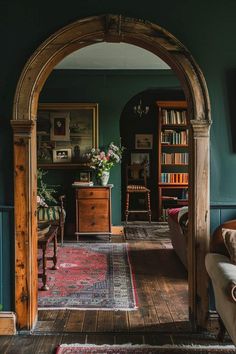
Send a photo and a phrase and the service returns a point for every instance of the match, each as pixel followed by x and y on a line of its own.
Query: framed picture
pixel 141 158
pixel 61 155
pixel 73 123
pixel 84 176
pixel 143 141
pixel 60 126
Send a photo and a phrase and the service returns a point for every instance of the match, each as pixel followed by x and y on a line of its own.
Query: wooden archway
pixel 107 28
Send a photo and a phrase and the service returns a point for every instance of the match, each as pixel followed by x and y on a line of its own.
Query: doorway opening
pixel 111 28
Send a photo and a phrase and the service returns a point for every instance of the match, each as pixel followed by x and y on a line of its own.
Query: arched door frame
pixel 84 32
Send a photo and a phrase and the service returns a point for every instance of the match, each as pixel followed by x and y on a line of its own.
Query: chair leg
pixel 149 207
pixel 222 330
pixel 127 207
pixel 62 233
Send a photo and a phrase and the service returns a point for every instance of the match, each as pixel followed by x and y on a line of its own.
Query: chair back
pixel 136 174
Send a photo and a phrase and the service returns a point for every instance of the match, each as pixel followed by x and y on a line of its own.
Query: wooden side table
pixel 43 243
pixel 93 210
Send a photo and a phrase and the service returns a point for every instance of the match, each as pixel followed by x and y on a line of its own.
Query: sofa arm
pixel 222 273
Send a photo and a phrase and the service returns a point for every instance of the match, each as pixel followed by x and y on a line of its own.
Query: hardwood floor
pixel 162 316
pixel 162 289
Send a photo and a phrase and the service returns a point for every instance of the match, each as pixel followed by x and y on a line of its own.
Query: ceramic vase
pixel 105 178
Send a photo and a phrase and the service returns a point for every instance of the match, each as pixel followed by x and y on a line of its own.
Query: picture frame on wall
pixel 60 126
pixel 143 141
pixel 62 155
pixel 84 176
pixel 141 158
pixel 69 125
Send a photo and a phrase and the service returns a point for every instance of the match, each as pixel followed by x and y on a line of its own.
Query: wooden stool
pixel 43 243
pixel 136 173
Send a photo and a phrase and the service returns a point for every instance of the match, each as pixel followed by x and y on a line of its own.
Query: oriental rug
pixel 144 349
pixel 90 276
pixel 154 232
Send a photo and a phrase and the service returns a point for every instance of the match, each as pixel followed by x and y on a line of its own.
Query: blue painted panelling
pixel 6 257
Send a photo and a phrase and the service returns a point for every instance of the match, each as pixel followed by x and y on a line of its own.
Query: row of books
pixel 179 158
pixel 174 117
pixel 173 137
pixel 174 177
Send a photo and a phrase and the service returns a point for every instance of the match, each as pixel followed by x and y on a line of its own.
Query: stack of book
pixel 82 183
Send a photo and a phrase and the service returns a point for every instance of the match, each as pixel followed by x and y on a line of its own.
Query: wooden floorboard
pixel 162 294
pixel 161 317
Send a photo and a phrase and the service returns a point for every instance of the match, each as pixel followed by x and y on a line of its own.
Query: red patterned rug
pixel 90 276
pixel 144 349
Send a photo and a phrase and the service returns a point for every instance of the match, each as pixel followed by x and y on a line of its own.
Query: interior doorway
pixel 107 28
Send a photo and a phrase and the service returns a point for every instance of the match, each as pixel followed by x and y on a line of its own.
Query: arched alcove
pixel 84 32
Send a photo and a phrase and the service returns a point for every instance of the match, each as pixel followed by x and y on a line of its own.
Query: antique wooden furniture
pixel 93 210
pixel 43 243
pixel 136 182
pixel 54 215
pixel 173 156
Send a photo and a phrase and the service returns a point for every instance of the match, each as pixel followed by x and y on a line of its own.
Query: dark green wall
pixel 112 90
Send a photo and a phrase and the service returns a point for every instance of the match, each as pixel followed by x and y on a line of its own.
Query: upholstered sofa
pixel 222 273
pixel 178 222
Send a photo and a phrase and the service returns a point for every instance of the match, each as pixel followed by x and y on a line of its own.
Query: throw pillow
pixel 229 237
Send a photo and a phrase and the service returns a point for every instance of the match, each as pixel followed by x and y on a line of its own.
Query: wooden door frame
pixel 84 32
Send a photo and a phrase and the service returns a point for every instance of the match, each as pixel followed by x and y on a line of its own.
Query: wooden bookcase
pixel 173 156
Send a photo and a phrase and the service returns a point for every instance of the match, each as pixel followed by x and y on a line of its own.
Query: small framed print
pixel 60 126
pixel 143 141
pixel 84 176
pixel 141 159
pixel 61 155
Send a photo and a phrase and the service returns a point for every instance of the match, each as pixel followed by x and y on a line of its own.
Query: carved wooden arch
pixel 110 28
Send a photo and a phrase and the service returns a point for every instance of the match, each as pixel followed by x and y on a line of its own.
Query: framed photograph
pixel 141 158
pixel 61 155
pixel 84 176
pixel 73 123
pixel 60 126
pixel 143 141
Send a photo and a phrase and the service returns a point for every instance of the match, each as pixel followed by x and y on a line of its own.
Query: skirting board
pixel 7 323
pixel 117 230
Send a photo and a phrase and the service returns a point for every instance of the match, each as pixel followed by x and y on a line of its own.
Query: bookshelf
pixel 173 158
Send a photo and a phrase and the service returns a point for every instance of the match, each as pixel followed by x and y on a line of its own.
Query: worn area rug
pixel 90 276
pixel 143 349
pixel 154 232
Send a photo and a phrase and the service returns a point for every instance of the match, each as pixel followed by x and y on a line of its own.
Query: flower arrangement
pixel 104 159
pixel 45 192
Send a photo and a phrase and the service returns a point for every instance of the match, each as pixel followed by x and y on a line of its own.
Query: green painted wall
pixel 112 90
pixel 206 28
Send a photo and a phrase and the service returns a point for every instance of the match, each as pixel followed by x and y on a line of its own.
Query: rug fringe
pixel 166 346
pixel 87 309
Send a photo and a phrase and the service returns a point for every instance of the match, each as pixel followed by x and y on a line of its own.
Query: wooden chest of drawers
pixel 93 210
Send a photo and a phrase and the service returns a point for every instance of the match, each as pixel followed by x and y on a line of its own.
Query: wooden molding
pixel 117 230
pixel 84 32
pixel 23 127
pixel 7 323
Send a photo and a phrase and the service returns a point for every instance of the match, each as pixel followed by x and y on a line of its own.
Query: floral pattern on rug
pixel 157 232
pixel 90 276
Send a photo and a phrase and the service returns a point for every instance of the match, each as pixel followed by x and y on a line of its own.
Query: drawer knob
pixel 93 223
pixel 91 193
pixel 93 207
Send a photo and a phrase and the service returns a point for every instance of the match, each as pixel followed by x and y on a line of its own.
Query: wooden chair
pixel 136 182
pixel 54 215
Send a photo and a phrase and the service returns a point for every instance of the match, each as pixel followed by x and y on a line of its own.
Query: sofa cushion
pixel 50 214
pixel 229 237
